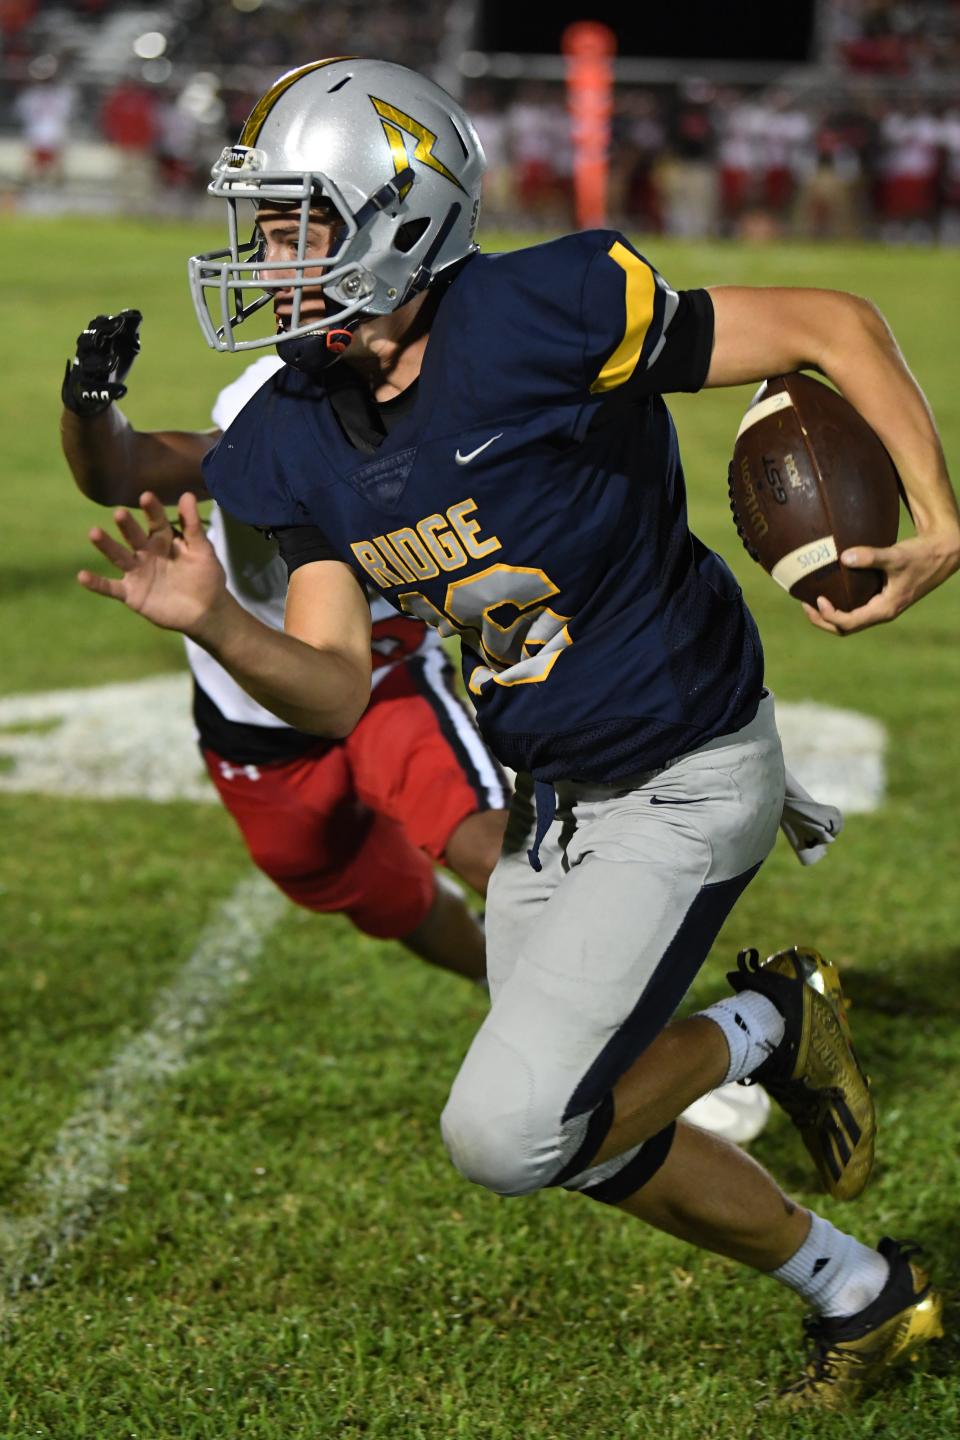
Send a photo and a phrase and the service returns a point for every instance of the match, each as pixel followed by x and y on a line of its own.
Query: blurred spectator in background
pixel 15 16
pixel 880 41
pixel 177 148
pixel 128 120
pixel 637 153
pixel 764 150
pixel 896 38
pixel 831 191
pixel 949 233
pixel 785 142
pixel 909 172
pixel 237 104
pixel 688 181
pixel 44 109
pixel 280 36
pixel 738 158
pixel 539 135
pixel 490 118
pixel 868 145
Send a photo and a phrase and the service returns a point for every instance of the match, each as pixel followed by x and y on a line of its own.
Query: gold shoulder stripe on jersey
pixel 638 304
pixel 394 123
pixel 260 111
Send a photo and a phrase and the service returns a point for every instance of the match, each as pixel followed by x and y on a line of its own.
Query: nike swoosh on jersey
pixel 465 459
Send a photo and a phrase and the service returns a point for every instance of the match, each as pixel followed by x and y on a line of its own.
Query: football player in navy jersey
pixel 352 825
pixel 527 495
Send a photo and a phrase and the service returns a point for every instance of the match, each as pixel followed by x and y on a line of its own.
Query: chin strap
pixel 311 353
pixel 338 340
pixel 395 189
pixel 423 276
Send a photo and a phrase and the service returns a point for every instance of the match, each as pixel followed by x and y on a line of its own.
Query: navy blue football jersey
pixel 531 501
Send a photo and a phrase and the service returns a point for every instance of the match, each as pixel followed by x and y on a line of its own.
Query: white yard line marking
pixel 104 742
pixel 81 1166
pixel 136 740
pixel 838 755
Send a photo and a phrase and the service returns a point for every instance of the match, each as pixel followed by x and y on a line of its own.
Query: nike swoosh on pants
pixel 657 800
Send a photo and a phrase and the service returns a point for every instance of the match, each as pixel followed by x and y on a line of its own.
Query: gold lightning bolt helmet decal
pixel 395 123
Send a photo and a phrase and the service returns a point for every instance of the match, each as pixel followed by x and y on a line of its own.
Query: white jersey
pixel 950 140
pixel 257 577
pixel 911 146
pixel 44 112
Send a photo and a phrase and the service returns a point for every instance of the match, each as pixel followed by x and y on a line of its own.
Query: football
pixel 809 478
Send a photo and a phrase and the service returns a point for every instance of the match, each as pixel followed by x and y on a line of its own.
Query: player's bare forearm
pixel 319 689
pixel 112 463
pixel 316 677
pixel 772 332
pixel 865 363
pixel 764 332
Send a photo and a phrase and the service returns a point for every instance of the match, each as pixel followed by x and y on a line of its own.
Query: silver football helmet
pixel 392 153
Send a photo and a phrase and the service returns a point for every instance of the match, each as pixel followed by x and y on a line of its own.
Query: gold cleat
pixel 814 1073
pixel 851 1353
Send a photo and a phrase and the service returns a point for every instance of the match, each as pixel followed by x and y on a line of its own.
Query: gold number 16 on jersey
pixel 502 615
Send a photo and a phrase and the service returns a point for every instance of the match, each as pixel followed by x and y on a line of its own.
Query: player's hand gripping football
pixel 170 577
pixel 911 569
pixel 105 351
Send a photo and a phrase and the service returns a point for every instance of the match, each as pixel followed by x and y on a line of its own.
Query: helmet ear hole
pixel 409 233
pixel 459 134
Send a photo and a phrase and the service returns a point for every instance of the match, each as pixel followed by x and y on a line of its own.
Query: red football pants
pixel 355 825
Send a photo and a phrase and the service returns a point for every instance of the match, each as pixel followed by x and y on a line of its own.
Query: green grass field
pixel 258 1234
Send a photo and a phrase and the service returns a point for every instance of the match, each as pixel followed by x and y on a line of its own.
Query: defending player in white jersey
pixel 352 825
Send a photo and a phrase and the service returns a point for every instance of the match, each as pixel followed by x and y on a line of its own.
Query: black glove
pixel 105 352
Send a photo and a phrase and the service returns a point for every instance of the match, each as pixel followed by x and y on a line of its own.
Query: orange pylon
pixel 589 48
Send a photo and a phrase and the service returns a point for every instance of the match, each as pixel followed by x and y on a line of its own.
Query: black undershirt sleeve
pixel 302 544
pixel 685 358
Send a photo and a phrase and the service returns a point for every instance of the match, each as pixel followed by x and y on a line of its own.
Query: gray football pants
pixel 588 959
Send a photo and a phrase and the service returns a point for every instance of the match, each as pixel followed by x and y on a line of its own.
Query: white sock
pixel 833 1272
pixel 752 1027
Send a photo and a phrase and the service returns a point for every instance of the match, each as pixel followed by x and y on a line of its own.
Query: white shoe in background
pixel 735 1112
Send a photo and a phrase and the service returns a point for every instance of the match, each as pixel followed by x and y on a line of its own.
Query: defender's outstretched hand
pixel 170 577
pixel 911 569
